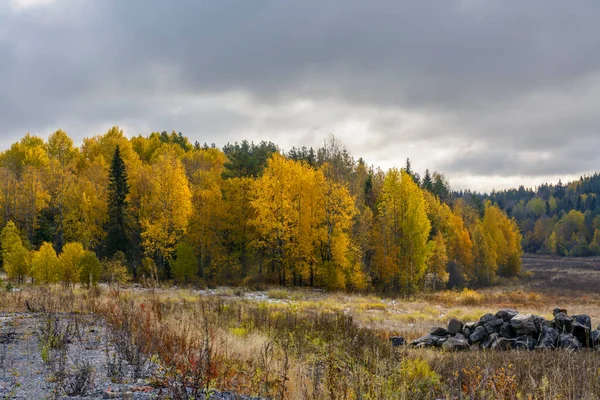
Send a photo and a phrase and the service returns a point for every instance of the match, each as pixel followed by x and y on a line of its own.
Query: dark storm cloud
pixel 474 88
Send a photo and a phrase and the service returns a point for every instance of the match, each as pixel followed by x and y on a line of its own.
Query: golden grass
pixel 372 306
pixel 464 314
pixel 323 345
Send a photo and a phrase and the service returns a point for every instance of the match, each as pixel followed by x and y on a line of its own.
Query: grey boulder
pixel 524 342
pixel 427 341
pixel 568 341
pixel 478 335
pixel 486 318
pixel 506 314
pixel 456 343
pixel 549 338
pixel 493 325
pixel 524 324
pixel 438 331
pixel 454 326
pixel 490 341
pixel 582 326
pixel 467 332
pixel 506 331
pixel 563 322
pixel 559 310
pixel 473 325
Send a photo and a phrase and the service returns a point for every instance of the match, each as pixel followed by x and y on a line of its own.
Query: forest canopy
pixel 160 207
pixel 561 219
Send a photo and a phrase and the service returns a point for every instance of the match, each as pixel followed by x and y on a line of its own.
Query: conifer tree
pixel 427 183
pixel 408 169
pixel 118 189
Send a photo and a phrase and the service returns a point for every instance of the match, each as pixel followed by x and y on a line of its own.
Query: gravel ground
pixel 29 370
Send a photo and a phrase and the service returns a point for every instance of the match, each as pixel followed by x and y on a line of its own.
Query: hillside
pixel 557 218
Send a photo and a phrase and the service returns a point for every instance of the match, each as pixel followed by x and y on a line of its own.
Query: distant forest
pixel 162 208
pixel 561 219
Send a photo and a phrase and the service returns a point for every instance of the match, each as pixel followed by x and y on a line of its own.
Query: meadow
pixel 307 344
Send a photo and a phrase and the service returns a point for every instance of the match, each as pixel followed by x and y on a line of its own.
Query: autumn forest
pixel 561 219
pixel 161 208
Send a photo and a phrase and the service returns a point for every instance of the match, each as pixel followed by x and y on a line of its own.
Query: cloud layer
pixel 494 94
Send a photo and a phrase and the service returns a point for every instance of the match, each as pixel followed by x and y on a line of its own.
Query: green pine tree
pixel 118 189
pixel 408 169
pixel 427 183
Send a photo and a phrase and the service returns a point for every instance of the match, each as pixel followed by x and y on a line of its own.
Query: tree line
pixel 160 207
pixel 561 219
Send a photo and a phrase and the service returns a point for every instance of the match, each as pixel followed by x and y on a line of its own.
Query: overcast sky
pixel 492 93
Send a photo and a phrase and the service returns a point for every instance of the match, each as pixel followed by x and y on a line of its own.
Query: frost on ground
pixel 72 356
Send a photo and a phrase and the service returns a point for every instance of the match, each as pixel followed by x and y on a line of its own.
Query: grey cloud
pixel 481 88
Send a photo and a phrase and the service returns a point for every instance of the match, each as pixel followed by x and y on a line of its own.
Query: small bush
pixel 418 376
pixel 412 317
pixel 239 331
pixel 520 297
pixel 449 298
pixel 79 380
pixel 373 306
pixel 470 297
pixel 55 332
pixel 45 353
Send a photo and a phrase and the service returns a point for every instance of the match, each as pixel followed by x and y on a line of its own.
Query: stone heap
pixel 508 329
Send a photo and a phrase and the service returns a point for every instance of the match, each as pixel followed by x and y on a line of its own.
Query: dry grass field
pixel 562 275
pixel 307 344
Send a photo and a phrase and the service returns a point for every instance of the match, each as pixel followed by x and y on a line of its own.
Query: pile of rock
pixel 508 329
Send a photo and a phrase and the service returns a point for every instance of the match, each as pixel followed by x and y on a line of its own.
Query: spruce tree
pixel 118 189
pixel 427 183
pixel 408 169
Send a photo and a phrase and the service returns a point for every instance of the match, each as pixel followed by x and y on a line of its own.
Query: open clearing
pixel 563 275
pixel 286 343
